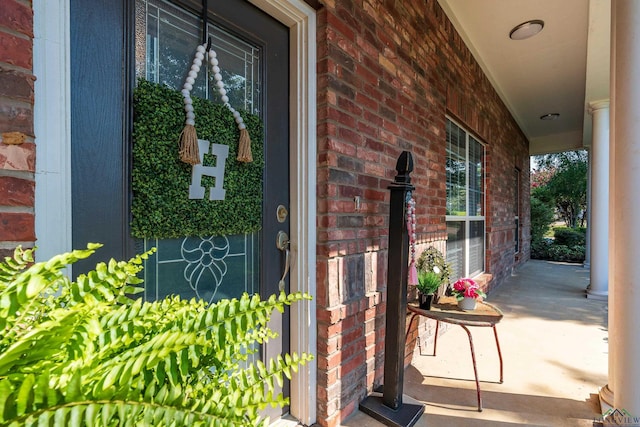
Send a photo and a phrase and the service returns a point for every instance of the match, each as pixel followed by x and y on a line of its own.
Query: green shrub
pixel 85 353
pixel 540 249
pixel 566 253
pixel 569 236
pixel 547 249
pixel 541 218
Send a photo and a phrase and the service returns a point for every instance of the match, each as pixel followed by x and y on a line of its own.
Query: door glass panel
pixel 207 267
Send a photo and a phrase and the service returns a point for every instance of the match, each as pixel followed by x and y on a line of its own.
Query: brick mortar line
pixel 12 245
pixel 16 103
pixel 4 66
pixel 26 175
pixel 17 209
pixel 18 34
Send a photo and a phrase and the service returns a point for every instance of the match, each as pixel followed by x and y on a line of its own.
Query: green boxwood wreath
pixel 161 207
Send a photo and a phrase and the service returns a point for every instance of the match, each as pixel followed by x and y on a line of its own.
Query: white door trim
pixel 301 19
pixel 52 127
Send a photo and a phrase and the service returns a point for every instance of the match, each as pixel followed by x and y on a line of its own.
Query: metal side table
pixel 446 310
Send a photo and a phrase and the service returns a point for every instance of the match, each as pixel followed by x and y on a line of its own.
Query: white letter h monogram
pixel 196 190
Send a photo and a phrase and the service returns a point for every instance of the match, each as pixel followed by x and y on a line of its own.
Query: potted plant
pixel 428 284
pixel 433 272
pixel 467 292
pixel 431 259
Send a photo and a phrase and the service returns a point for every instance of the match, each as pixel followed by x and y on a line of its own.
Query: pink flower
pixel 467 288
pixel 459 285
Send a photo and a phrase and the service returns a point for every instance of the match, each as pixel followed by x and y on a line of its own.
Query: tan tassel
pixel 244 147
pixel 189 145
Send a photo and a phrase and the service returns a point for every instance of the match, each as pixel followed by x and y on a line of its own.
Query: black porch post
pixel 390 409
pixel 397 269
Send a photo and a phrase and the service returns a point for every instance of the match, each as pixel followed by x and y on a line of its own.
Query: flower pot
pixel 425 301
pixel 467 304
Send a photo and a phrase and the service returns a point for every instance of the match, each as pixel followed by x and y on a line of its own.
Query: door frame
pixel 52 124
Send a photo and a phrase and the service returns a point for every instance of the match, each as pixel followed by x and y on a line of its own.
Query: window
pixel 465 202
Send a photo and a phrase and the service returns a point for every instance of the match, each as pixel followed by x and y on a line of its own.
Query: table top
pixel 446 310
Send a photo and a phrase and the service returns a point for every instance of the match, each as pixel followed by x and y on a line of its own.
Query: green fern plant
pixel 86 353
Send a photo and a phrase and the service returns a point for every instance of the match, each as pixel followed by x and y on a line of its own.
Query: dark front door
pixel 113 43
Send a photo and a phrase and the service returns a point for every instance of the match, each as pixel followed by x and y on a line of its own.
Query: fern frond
pixel 11 266
pixel 85 353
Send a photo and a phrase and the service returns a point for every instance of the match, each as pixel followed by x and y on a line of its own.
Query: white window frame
pixel 468 219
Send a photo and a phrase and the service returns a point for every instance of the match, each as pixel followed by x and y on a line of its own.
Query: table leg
pixel 435 339
pixel 475 368
pixel 495 332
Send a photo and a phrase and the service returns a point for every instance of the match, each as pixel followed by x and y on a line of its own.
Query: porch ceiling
pixel 560 70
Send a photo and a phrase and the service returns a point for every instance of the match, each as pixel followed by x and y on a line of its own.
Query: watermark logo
pixel 617 417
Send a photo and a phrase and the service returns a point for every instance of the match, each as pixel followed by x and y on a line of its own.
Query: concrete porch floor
pixel 554 347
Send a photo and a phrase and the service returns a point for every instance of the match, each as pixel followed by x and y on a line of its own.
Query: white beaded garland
pixel 190 81
pixel 411 226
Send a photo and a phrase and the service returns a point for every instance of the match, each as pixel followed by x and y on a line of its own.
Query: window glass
pixel 456 248
pixel 456 170
pixel 476 247
pixel 164 53
pixel 476 188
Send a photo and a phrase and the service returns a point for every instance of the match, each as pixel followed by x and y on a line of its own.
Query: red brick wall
pixel 17 150
pixel 388 73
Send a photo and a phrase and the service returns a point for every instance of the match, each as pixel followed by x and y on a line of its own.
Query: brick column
pixel 17 151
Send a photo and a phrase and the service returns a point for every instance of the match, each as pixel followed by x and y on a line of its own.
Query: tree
pixel 564 179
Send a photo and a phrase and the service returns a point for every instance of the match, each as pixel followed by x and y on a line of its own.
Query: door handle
pixel 282 243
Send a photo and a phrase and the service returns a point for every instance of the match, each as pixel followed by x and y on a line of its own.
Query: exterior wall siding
pixel 17 149
pixel 388 74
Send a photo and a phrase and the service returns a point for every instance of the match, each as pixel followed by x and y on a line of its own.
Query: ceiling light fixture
pixel 526 29
pixel 550 116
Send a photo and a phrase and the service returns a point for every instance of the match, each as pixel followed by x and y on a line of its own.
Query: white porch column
pixel 587 244
pixel 624 314
pixel 599 213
